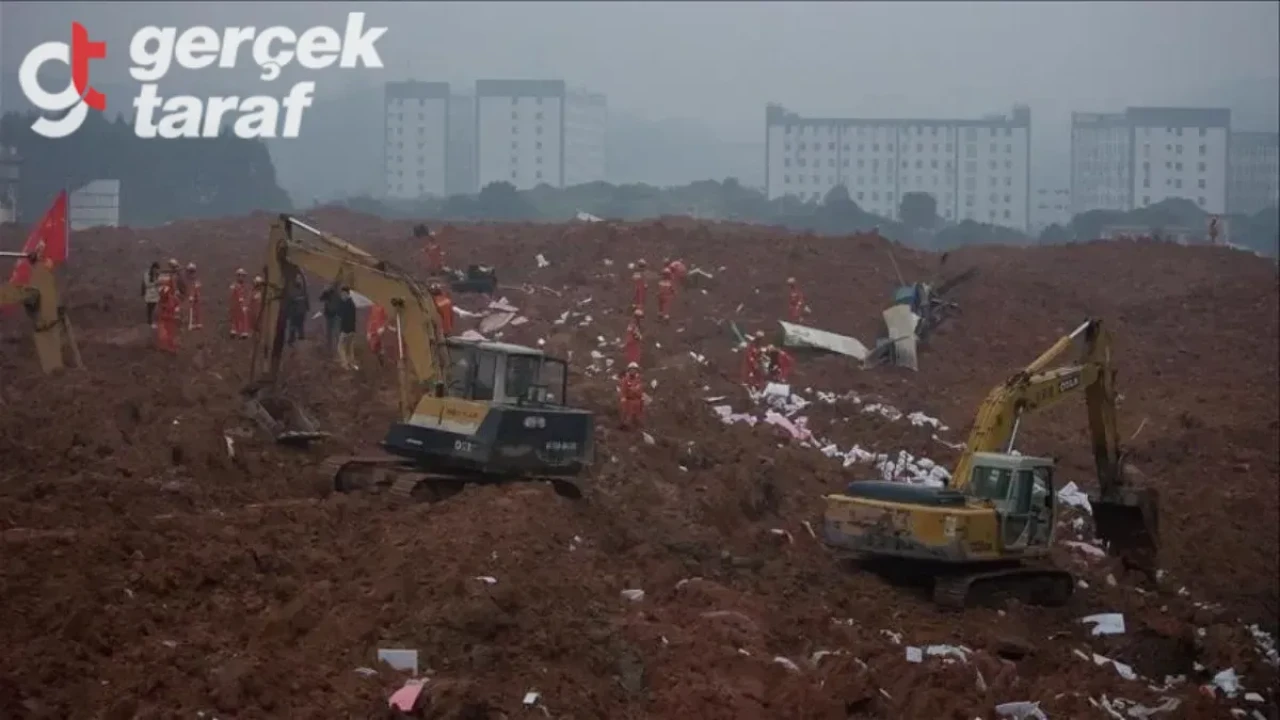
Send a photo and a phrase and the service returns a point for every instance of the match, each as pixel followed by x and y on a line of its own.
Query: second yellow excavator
pixel 469 411
pixel 976 536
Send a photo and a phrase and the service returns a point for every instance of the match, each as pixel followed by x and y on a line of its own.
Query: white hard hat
pixel 257 278
pixel 240 271
pixel 191 266
pixel 633 366
pixel 791 281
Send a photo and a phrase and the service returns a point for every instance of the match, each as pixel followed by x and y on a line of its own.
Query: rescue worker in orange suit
pixel 444 306
pixel 194 321
pixel 753 360
pixel 779 362
pixel 168 309
pixel 795 301
pixel 631 397
pixel 374 329
pixel 637 282
pixel 631 346
pixel 666 291
pixel 255 301
pixel 239 307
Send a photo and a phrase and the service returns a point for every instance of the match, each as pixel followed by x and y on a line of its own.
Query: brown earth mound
pixel 162 560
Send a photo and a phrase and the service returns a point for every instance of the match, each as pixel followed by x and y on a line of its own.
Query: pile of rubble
pixel 165 561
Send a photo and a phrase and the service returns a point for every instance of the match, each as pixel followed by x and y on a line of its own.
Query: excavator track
pixel 1035 586
pixel 403 479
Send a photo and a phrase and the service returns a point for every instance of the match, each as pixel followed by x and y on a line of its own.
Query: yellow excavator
pixel 39 298
pixel 988 533
pixel 470 411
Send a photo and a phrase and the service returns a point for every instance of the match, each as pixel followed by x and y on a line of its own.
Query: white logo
pixel 154 50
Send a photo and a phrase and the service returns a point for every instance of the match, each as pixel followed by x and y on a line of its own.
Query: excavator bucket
pixel 1128 522
pixel 282 419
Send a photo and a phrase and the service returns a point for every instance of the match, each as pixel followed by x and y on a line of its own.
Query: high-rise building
pixel 974 169
pixel 1122 161
pixel 534 132
pixel 1254 171
pixel 415 154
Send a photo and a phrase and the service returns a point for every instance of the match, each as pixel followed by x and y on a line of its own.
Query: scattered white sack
pixel 1253 697
pixel 1124 670
pixel 1021 711
pixel 958 652
pixel 648 439
pixel 231 445
pixel 1168 704
pixel 530 698
pixel 542 261
pixel 1105 623
pixel 786 663
pixel 486 579
pixel 919 419
pixel 915 654
pixel 782 533
pixel 896 637
pixel 1070 495
pixel 400 659
pixel 1228 682
pixel 633 595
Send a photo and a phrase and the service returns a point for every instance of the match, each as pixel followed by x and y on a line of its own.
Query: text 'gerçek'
pixel 154 50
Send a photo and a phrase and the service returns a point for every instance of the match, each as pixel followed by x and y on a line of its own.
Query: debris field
pixel 162 559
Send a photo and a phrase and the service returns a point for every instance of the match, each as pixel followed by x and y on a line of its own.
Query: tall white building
pixel 1050 206
pixel 974 169
pixel 531 132
pixel 1254 171
pixel 415 153
pixel 1122 161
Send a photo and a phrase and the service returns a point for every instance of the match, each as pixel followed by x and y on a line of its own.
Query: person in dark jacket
pixel 346 313
pixel 330 300
pixel 296 313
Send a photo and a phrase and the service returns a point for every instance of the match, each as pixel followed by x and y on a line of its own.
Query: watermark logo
pixel 154 50
pixel 78 96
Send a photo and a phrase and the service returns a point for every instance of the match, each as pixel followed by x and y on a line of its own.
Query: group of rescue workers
pixel 173 296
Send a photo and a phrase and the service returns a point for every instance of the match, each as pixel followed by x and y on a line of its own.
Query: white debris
pixel 1085 548
pixel 1125 671
pixel 633 595
pixel 564 317
pixel 542 261
pixel 1105 623
pixel 1168 704
pixel 1266 645
pixel 1228 682
pixel 486 579
pixel 914 654
pixel 786 663
pixel 895 637
pixel 782 533
pixel 958 652
pixel 366 671
pixel 1071 495
pixel 889 412
pixel 648 439
pixel 817 656
pixel 231 446
pixel 400 659
pixel 1021 711
pixel 919 419
pixel 531 698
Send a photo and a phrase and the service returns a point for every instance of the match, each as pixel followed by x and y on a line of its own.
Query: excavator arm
pixel 1127 517
pixel 39 297
pixel 294 247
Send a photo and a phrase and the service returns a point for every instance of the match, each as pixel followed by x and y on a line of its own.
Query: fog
pixel 713 66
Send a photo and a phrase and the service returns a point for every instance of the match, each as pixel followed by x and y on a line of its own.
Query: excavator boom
pixel 39 297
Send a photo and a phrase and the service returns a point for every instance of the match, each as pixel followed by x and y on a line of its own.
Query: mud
pixel 149 571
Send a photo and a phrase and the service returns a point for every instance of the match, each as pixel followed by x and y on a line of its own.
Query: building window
pixel 513 100
pixel 1178 183
pixel 860 195
pixel 788 130
pixel 1146 199
pixel 948 147
pixel 1007 199
pixel 1177 166
pixel 933 164
pixel 538 145
pixel 514 115
pixel 786 179
pixel 991 165
pixel 846 147
pixel 513 174
pixel 1179 132
pixel 919 147
pixel 875 147
pixel 538 129
pixel 971 151
pixel 831 162
pixel 538 175
pixel 537 116
pixel 801 146
pixel 1179 149
pixel 1204 150
pixel 537 160
pixel 1200 201
pixel 1146 150
pixel 994 198
pixel 993 132
pixel 515 145
pixel 786 162
pixel 831 146
pixel 1202 185
pixel 875 196
pixel 889 147
pixel 968 200
pixel 800 162
pixel 993 148
pixel 1146 183
pixel 846 162
pixel 1006 214
pixel 1203 132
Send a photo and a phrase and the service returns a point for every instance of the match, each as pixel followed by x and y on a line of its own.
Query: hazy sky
pixel 721 62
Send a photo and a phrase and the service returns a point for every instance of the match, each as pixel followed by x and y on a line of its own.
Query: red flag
pixel 48 240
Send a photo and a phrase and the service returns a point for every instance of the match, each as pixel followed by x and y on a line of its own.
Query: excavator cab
pixel 1020 488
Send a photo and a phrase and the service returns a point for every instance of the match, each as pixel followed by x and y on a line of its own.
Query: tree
pixel 501 201
pixel 918 210
pixel 1055 234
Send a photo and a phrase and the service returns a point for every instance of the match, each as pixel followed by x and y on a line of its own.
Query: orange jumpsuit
pixel 751 375
pixel 796 304
pixel 631 347
pixel 435 257
pixel 374 327
pixel 631 399
pixel 637 299
pixel 167 311
pixel 666 290
pixel 445 307
pixel 780 364
pixel 239 310
pixel 193 308
pixel 678 270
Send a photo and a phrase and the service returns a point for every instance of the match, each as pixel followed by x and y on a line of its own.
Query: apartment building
pixel 1254 170
pixel 1122 161
pixel 975 169
pixel 415 155
pixel 534 132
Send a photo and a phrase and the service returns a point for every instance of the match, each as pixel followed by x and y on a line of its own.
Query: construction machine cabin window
pixel 990 483
pixel 533 378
